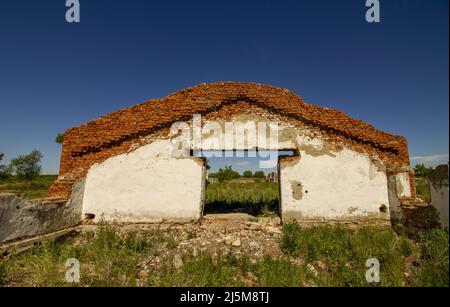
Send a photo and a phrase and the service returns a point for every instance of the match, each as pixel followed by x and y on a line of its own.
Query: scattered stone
pixel 177 261
pixel 321 265
pixel 254 226
pixel 215 257
pixel 312 269
pixel 228 240
pixel 253 245
pixel 225 234
pixel 143 274
pixel 237 242
pixel 273 230
pixel 310 284
pixel 248 283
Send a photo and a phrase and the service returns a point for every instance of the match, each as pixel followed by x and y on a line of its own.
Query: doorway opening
pixel 242 181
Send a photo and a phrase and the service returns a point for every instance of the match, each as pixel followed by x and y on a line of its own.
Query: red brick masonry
pixel 114 133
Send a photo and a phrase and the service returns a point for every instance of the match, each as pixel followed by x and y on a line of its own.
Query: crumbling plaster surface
pixel 20 218
pixel 342 185
pixel 145 185
pixel 439 187
pixel 395 206
pixel 326 182
pixel 403 185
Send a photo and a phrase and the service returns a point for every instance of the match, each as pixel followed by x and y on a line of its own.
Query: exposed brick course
pixel 115 133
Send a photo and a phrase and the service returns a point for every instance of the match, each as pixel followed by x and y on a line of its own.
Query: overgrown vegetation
pixel 434 258
pixel 423 188
pixel 422 171
pixel 342 253
pixel 31 189
pixel 255 197
pixel 322 256
pixel 422 181
pixel 108 258
pixel 257 192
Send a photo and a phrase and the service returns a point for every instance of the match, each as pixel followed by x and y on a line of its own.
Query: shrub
pixel 421 170
pixel 27 167
pixel 227 173
pixel 5 170
pixel 248 174
pixel 59 138
pixel 259 174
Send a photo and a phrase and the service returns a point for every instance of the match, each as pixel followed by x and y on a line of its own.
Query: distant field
pixel 232 192
pixel 33 189
pixel 254 197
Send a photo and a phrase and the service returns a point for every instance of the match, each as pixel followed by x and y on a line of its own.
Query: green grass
pixel 112 258
pixel 434 258
pixel 257 198
pixel 228 270
pixel 257 192
pixel 344 252
pixel 423 188
pixel 107 258
pixel 32 189
pixel 203 271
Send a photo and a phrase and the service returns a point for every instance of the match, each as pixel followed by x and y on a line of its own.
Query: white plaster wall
pixel 439 200
pixel 403 185
pixel 341 185
pixel 146 185
pixel 149 184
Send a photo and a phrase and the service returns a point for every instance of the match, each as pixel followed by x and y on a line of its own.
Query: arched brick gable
pixel 116 132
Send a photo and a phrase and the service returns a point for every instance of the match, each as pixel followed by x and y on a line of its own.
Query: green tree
pixel 5 170
pixel 227 173
pixel 59 138
pixel 213 175
pixel 248 174
pixel 27 167
pixel 259 174
pixel 421 170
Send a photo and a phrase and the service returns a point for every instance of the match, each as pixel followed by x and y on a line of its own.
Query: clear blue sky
pixel 55 75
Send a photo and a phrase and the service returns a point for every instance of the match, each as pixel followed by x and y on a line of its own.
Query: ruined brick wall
pixel 120 131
